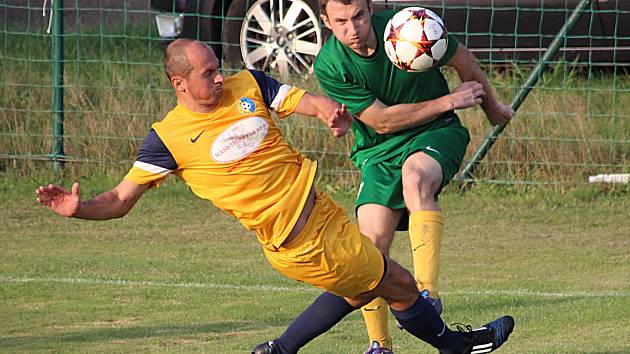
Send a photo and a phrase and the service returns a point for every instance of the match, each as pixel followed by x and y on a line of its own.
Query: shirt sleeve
pixel 451 49
pixel 153 163
pixel 283 99
pixel 341 87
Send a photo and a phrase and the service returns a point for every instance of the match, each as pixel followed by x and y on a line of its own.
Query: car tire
pixel 209 27
pixel 284 44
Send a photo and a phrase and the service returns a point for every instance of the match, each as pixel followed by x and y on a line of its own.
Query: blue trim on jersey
pixel 154 152
pixel 268 85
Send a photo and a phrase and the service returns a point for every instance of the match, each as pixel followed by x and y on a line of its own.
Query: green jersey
pixel 358 81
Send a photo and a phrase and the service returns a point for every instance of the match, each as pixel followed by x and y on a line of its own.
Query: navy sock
pixel 423 322
pixel 325 312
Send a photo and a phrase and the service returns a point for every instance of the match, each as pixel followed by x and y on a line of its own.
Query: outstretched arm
pixel 114 203
pixel 335 116
pixel 468 70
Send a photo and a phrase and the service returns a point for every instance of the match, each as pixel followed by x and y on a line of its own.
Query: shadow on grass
pixel 103 335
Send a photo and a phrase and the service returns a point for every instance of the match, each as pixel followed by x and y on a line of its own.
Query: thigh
pixel 446 145
pixel 381 184
pixel 331 253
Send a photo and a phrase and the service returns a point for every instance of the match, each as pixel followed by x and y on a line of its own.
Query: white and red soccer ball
pixel 415 39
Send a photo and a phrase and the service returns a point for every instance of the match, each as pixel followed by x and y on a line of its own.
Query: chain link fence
pixel 80 90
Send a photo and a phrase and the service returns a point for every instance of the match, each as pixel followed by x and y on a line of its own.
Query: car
pixel 284 36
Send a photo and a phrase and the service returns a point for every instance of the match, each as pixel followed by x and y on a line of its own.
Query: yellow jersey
pixel 235 156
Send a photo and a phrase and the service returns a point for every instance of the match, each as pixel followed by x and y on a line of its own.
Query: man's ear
pixel 178 83
pixel 325 21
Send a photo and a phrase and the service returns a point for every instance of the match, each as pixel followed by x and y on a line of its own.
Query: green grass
pixel 176 275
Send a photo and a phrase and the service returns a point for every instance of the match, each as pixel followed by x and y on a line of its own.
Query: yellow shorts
pixel 330 253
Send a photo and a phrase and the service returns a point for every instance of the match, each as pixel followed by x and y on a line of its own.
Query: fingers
pixel 470 93
pixel 340 121
pixel 478 91
pixel 42 191
pixel 501 115
pixel 468 85
pixel 332 121
pixel 50 189
pixel 47 194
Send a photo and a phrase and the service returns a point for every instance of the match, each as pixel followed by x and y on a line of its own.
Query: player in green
pixel 409 143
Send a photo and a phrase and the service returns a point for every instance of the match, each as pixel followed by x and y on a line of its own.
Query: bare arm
pixel 114 203
pixel 389 119
pixel 331 113
pixel 468 70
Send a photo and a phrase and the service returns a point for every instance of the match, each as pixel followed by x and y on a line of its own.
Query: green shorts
pixel 381 183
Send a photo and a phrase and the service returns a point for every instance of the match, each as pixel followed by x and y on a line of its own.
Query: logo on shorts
pixel 432 149
pixel 246 105
pixel 239 140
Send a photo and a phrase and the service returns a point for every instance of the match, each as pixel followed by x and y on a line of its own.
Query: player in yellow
pixel 221 140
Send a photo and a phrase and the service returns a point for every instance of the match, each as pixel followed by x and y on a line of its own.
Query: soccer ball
pixel 415 39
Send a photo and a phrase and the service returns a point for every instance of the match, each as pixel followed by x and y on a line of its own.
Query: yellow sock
pixel 375 315
pixel 425 232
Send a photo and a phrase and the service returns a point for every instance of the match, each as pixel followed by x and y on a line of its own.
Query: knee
pixel 380 237
pixel 411 176
pixel 403 279
pixel 381 242
pixel 398 287
pixel 419 179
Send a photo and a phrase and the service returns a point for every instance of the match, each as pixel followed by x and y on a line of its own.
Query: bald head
pixel 177 58
pixel 195 74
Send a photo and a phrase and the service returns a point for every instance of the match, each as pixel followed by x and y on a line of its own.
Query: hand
pixel 59 200
pixel 340 121
pixel 467 94
pixel 499 113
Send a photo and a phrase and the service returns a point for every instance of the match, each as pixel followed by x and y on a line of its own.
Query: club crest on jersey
pixel 239 140
pixel 246 105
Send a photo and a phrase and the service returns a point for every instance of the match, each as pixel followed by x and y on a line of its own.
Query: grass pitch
pixel 176 275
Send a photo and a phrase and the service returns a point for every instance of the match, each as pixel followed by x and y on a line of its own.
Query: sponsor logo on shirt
pixel 239 140
pixel 246 105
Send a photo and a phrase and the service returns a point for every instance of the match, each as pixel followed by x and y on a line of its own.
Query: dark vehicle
pixel 285 35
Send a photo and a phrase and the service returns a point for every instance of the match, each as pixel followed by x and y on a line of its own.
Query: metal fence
pixel 82 87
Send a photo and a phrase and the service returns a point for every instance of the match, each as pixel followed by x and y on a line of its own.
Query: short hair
pixel 323 3
pixel 176 61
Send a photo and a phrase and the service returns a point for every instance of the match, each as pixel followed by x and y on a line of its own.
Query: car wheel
pixel 279 36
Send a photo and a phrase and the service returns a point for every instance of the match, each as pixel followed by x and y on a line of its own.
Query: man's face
pixel 351 24
pixel 204 84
